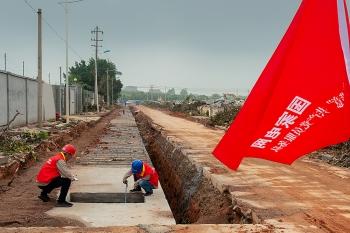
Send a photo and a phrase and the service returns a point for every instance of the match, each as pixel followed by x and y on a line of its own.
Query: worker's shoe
pixel 64 204
pixel 137 189
pixel 148 194
pixel 44 198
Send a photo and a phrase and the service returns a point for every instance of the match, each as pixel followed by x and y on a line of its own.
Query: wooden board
pixel 107 197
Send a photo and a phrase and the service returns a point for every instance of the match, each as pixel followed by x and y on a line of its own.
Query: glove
pixel 125 181
pixel 136 184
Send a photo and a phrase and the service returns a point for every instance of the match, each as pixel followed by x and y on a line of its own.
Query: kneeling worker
pixel 55 173
pixel 145 177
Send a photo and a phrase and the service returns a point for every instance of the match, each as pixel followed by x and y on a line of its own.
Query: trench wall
pixel 191 195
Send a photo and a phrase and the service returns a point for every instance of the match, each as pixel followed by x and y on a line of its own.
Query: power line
pixel 70 1
pixel 53 29
pixel 30 6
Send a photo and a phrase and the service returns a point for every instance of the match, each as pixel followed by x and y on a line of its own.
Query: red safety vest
pixel 49 170
pixel 148 170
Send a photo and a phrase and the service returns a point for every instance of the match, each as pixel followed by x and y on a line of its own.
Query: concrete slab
pixel 107 178
pixel 155 210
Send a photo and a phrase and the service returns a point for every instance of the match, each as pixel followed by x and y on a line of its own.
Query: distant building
pixel 157 91
pixel 210 110
pixel 130 89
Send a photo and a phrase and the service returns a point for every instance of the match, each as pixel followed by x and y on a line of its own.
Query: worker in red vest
pixel 145 177
pixel 55 173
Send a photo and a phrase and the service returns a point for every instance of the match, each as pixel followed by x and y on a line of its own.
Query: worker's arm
pixel 147 177
pixel 64 170
pixel 127 175
pixel 144 178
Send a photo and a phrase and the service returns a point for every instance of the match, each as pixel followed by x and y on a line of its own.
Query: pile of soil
pixel 20 206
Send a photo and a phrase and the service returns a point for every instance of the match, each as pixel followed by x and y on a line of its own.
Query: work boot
pixel 44 197
pixel 148 194
pixel 64 204
pixel 137 189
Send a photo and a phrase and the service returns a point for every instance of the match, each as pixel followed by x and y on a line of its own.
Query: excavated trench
pixel 191 196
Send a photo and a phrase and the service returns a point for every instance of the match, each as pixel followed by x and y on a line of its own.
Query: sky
pixel 206 46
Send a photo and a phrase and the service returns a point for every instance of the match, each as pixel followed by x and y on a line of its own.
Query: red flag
pixel 300 102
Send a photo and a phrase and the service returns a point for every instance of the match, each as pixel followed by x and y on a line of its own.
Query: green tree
pixel 171 95
pixel 83 73
pixel 183 93
pixel 215 96
pixel 171 92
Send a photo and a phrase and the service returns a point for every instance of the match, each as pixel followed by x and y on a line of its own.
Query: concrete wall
pixel 80 99
pixel 17 99
pixel 76 99
pixel 33 102
pixel 3 99
pixel 21 93
pixel 49 111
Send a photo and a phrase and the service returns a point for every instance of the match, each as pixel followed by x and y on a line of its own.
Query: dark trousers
pixel 64 183
pixel 145 184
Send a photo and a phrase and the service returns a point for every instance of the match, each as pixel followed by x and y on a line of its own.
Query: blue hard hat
pixel 136 166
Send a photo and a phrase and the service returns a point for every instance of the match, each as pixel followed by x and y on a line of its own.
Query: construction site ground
pixel 102 170
pixel 20 205
pixel 305 197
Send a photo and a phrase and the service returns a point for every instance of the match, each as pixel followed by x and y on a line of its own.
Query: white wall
pixel 21 93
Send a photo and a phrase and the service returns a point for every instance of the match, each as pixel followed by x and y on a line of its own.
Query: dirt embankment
pixel 191 196
pixel 20 206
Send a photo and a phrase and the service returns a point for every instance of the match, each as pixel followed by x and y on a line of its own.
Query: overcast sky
pixel 204 45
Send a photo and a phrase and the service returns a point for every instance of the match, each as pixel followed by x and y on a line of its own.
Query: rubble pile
pixel 338 155
pixel 224 118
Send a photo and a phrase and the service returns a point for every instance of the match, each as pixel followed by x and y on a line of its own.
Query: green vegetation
pixel 225 118
pixel 23 143
pixel 83 73
pixel 170 95
pixel 12 146
pixel 34 136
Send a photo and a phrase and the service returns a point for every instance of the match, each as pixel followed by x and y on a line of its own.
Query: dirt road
pixel 308 196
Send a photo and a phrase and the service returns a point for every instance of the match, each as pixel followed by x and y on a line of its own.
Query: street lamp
pixel 107 51
pixel 107 72
pixel 67 75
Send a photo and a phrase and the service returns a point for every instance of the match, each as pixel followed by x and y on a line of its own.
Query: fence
pixel 18 93
pixel 80 100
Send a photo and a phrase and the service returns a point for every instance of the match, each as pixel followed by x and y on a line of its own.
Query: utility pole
pixel 5 62
pixel 165 94
pixel 40 78
pixel 60 92
pixel 107 89
pixel 65 2
pixel 95 32
pixel 49 78
pixel 23 68
pixel 112 92
pixel 67 81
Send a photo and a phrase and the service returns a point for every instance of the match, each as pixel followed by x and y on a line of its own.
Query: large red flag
pixel 300 102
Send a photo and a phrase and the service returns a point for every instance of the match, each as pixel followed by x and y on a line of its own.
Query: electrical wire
pixel 54 30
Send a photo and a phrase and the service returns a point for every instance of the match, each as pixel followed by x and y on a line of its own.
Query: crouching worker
pixel 145 177
pixel 55 173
